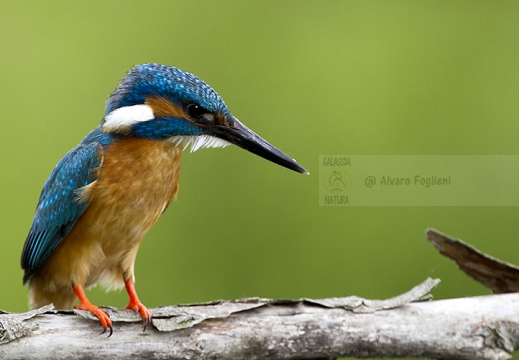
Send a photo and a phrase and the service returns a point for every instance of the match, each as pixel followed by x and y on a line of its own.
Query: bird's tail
pixel 39 295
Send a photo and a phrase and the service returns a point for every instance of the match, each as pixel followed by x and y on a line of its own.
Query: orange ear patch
pixel 163 107
pixel 221 119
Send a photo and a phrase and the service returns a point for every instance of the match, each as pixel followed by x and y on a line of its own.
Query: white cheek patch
pixel 198 142
pixel 123 118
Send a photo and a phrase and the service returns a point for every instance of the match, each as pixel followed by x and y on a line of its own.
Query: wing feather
pixel 60 206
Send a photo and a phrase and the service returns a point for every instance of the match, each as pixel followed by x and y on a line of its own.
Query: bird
pixel 105 194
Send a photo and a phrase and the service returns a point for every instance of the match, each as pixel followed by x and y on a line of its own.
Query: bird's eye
pixel 196 111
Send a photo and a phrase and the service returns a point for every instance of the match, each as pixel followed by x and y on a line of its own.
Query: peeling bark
pixel 484 327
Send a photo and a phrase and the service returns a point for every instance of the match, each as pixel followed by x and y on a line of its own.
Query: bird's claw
pixel 141 309
pixel 103 317
pixel 108 327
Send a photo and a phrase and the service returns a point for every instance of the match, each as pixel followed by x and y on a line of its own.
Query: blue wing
pixel 58 208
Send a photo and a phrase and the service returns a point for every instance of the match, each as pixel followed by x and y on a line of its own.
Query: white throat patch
pixel 198 142
pixel 123 118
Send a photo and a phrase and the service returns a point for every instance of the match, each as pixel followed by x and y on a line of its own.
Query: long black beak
pixel 240 135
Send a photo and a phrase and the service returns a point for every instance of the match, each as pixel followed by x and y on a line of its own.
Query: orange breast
pixel 135 184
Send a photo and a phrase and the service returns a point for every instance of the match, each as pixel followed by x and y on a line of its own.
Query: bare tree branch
pixel 470 328
pixel 485 327
pixel 499 276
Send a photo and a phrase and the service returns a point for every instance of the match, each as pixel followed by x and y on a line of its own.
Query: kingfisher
pixel 105 194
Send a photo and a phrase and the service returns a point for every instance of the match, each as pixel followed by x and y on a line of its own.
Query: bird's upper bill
pixel 162 102
pixel 240 135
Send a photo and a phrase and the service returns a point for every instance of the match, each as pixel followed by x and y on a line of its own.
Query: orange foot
pixel 84 304
pixel 136 305
pixel 141 309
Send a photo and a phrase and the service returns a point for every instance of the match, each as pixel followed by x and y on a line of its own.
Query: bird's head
pixel 161 102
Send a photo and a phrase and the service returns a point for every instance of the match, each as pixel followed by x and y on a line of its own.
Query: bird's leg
pixel 135 304
pixel 86 305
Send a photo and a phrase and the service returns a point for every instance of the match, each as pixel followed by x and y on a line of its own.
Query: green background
pixel 313 78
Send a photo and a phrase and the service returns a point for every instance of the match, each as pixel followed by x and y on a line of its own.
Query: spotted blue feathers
pixel 168 82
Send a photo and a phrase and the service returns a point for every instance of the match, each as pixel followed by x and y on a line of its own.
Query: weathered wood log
pixel 484 327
